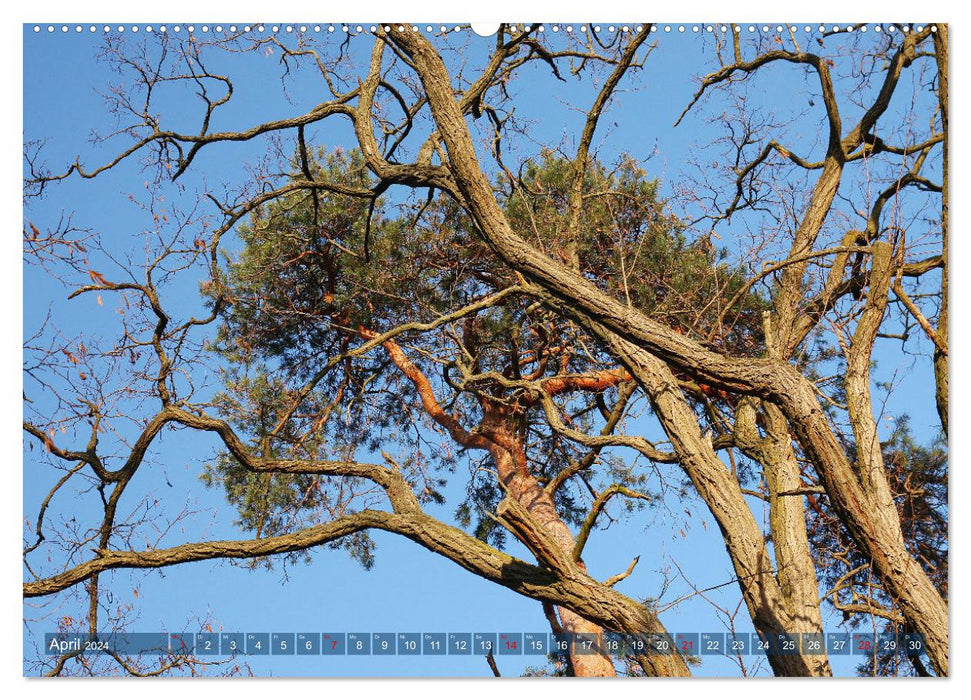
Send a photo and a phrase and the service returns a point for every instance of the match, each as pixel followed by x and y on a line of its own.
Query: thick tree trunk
pixel 874 524
pixel 905 578
pixel 510 461
pixel 765 599
pixel 787 518
pixel 940 358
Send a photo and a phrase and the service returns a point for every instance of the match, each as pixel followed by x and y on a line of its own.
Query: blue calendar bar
pixel 613 644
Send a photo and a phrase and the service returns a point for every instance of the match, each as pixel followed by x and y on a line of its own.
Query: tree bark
pixel 510 461
pixel 764 597
pixel 940 358
pixel 787 519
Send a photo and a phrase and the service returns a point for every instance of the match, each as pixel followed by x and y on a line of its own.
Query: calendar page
pixel 422 349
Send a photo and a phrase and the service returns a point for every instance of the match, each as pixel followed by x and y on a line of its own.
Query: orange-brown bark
pixel 497 434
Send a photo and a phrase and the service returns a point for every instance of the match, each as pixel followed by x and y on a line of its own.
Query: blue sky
pixel 408 589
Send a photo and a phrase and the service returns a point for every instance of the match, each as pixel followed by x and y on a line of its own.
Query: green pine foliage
pixel 316 271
